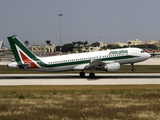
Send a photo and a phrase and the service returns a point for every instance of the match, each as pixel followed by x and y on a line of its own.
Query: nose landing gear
pixel 133 69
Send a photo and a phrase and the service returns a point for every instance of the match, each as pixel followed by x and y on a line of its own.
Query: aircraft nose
pixel 148 55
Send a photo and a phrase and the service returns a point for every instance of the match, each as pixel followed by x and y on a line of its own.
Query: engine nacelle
pixel 111 67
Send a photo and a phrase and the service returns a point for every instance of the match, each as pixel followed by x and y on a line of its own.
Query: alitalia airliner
pixel 108 60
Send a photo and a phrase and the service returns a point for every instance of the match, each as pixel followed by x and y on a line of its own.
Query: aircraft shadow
pixel 78 77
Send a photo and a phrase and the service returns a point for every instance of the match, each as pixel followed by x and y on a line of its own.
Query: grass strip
pixel 79 89
pixel 91 102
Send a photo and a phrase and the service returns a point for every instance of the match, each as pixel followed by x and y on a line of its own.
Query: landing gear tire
pixel 133 70
pixel 82 74
pixel 91 75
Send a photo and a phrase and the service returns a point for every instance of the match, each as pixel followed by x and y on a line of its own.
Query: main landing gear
pixel 82 74
pixel 91 75
pixel 133 69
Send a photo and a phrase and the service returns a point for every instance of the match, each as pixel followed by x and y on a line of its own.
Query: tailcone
pixel 12 65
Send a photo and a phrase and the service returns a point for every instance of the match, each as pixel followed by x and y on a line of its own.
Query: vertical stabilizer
pixel 22 54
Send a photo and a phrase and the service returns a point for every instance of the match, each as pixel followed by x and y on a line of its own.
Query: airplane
pixel 152 53
pixel 1 45
pixel 108 60
pixel 1 48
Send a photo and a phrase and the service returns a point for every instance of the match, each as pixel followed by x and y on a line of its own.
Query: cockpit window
pixel 142 51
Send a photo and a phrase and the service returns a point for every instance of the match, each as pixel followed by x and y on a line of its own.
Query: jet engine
pixel 111 67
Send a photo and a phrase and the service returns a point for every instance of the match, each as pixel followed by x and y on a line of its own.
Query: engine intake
pixel 111 67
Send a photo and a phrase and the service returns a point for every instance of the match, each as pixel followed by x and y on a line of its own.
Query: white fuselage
pixel 132 56
pixel 81 60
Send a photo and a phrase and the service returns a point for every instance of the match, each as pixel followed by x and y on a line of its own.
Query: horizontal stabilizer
pixel 24 65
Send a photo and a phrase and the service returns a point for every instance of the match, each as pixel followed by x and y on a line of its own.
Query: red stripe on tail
pixel 26 60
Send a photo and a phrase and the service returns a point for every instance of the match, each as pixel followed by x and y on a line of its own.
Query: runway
pixel 74 79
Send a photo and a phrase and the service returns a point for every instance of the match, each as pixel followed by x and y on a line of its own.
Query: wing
pixel 96 64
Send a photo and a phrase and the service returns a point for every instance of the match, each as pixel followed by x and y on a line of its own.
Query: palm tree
pixel 86 43
pixel 26 42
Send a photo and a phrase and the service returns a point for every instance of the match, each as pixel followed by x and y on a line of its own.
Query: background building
pixel 118 44
pixel 46 49
pixel 134 42
pixel 154 42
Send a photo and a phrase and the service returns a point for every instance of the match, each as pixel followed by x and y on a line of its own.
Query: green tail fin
pixel 20 52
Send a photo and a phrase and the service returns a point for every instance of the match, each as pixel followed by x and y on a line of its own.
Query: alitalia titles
pixel 118 52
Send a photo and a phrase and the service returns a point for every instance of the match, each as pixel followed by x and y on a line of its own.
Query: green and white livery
pixel 108 60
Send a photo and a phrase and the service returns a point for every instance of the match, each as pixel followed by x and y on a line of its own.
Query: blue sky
pixel 82 20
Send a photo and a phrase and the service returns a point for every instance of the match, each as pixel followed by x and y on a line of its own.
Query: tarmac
pixel 74 79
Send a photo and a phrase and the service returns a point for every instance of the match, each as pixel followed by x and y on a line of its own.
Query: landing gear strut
pixel 82 74
pixel 92 75
pixel 133 69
